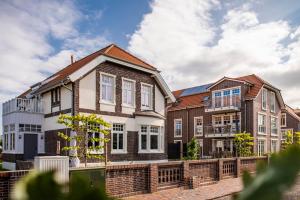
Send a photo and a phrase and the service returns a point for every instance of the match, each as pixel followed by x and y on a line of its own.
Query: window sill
pixel 118 152
pixel 262 134
pixel 95 152
pixel 177 136
pixel 146 108
pixel 128 106
pixel 198 135
pixel 149 151
pixel 275 135
pixel 107 103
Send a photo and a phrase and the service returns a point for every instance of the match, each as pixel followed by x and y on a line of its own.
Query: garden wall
pixel 132 179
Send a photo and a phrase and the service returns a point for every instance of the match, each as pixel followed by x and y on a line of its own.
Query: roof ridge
pixel 114 45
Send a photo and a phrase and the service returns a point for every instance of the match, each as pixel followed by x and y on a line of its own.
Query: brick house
pixel 290 121
pixel 213 113
pixel 122 89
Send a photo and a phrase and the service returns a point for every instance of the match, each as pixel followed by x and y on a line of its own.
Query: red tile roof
pixel 195 100
pixel 111 50
pixel 255 81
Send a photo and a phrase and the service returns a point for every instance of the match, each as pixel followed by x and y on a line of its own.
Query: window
pixel 6 128
pixel 107 88
pixel 273 146
pixel 55 96
pixel 284 132
pixel 95 144
pixel 128 92
pixel 283 119
pixel 226 98
pixel 226 119
pixel 151 139
pixel 12 127
pixel 144 132
pixel 198 126
pixel 12 141
pixel 217 120
pixel 177 127
pixel 264 99
pixel 236 91
pixel 272 102
pixel 273 122
pixel 218 99
pixel 260 147
pixel 34 128
pixel 146 96
pixel 261 124
pixel 118 138
pixel 6 141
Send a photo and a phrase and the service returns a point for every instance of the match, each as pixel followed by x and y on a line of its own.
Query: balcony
pixel 224 103
pixel 22 105
pixel 221 130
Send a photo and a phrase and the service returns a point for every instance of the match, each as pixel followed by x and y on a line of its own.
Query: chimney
pixel 72 59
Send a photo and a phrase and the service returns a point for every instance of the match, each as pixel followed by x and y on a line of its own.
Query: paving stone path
pixel 221 189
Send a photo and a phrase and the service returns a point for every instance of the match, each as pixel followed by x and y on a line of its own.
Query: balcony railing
pixel 230 102
pixel 22 105
pixel 221 131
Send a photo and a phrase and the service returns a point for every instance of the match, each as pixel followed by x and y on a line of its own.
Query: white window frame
pixel 160 139
pixel 276 147
pixel 272 102
pixel 150 107
pixel 12 143
pixel 276 124
pixel 264 99
pixel 283 125
pixel 125 104
pixel 101 143
pixel 124 132
pixel 259 153
pixel 104 101
pixel 196 128
pixel 222 95
pixel 265 124
pixel 175 127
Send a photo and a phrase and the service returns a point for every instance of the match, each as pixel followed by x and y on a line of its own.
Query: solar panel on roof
pixel 195 90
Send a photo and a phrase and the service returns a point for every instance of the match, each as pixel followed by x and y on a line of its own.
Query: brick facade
pixel 7 181
pixel 248 111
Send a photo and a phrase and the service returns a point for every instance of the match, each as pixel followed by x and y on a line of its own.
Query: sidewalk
pixel 222 188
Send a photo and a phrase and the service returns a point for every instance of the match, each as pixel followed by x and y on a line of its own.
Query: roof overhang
pixel 229 79
pixel 102 58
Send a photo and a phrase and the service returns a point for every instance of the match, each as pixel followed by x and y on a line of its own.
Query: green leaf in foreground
pixel 274 180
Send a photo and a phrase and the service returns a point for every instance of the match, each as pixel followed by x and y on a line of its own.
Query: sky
pixel 191 42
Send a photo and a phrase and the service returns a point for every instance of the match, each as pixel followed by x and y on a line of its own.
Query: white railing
pixel 22 105
pixel 58 163
pixel 224 130
pixel 224 103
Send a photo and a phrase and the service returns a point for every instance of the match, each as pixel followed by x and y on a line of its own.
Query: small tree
pixel 297 138
pixel 82 126
pixel 288 140
pixel 193 149
pixel 243 143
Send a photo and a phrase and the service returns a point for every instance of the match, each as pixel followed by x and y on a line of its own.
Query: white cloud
pixel 26 54
pixel 186 45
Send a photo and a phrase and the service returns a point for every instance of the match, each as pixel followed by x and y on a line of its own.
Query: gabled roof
pixel 292 112
pixel 196 97
pixel 111 50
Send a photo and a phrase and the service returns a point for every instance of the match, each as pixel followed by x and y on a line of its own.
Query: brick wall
pixel 7 181
pixel 126 180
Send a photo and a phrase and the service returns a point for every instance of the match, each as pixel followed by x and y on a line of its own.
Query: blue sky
pixel 192 42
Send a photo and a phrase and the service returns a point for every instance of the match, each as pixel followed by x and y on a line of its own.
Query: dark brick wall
pixel 7 181
pixel 291 122
pixel 51 138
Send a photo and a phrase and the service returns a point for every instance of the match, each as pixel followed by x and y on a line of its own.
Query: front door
pixel 30 146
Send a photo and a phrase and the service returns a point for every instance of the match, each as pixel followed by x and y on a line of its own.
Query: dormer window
pixel 55 97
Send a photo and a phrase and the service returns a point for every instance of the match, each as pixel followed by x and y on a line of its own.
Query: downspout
pixel 187 127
